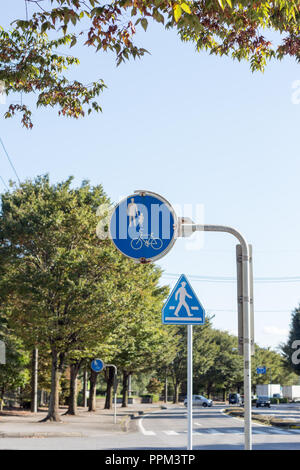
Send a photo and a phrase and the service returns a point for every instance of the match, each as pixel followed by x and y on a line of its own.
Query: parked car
pixel 199 400
pixel 263 401
pixel 235 399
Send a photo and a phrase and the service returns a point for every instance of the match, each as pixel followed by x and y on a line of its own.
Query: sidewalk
pixel 19 423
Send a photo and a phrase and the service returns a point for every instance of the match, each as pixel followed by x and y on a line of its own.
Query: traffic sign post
pixel 98 365
pixel 246 318
pixel 239 265
pixel 190 387
pixel 115 390
pixel 184 308
pixel 261 370
pixel 145 233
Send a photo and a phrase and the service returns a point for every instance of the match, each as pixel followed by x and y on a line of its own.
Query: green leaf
pixel 144 23
pixel 44 26
pixel 73 42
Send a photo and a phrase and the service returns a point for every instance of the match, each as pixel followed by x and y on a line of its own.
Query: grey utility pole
pixel 166 387
pixel 2 353
pixel 34 381
pixel 186 229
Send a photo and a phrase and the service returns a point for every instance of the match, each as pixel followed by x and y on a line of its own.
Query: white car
pixel 199 400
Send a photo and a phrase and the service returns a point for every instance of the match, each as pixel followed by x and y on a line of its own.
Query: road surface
pixel 166 430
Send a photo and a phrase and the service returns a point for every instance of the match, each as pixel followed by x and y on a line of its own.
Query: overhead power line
pixel 227 279
pixel 3 182
pixel 232 310
pixel 10 161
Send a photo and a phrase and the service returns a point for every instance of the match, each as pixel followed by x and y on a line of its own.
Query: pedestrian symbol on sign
pixel 183 306
pixel 182 294
pixel 132 212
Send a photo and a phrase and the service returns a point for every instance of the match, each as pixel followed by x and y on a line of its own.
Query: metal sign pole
pixel 181 296
pixel 190 386
pixel 190 228
pixel 115 391
pixel 35 358
pixel 247 347
pixel 98 365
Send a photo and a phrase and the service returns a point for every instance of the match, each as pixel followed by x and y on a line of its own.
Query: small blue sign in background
pixel 183 306
pixel 97 365
pixel 261 370
pixel 142 226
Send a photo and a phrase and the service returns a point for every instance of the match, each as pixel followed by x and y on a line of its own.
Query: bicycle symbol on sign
pixel 137 243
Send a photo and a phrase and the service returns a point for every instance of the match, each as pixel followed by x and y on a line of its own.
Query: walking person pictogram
pixel 182 294
pixel 132 211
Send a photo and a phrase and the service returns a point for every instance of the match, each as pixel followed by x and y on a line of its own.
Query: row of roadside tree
pixel 74 297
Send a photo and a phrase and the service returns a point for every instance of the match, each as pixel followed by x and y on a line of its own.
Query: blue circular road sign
pixel 143 226
pixel 97 365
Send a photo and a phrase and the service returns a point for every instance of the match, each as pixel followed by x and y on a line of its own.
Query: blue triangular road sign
pixel 183 306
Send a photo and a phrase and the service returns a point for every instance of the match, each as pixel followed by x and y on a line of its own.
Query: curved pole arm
pixel 221 228
pixel 246 320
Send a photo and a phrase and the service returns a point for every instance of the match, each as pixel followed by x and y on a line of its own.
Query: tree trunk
pixel 34 381
pixel 56 372
pixel 208 390
pixel 2 398
pixel 125 389
pixel 92 396
pixel 84 401
pixel 176 392
pixel 129 385
pixel 109 388
pixel 74 370
pixel 42 400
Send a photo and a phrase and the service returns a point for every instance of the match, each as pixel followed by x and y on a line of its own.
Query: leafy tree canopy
pixel 14 373
pixel 242 29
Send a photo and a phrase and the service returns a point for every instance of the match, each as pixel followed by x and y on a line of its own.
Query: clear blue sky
pixel 198 130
